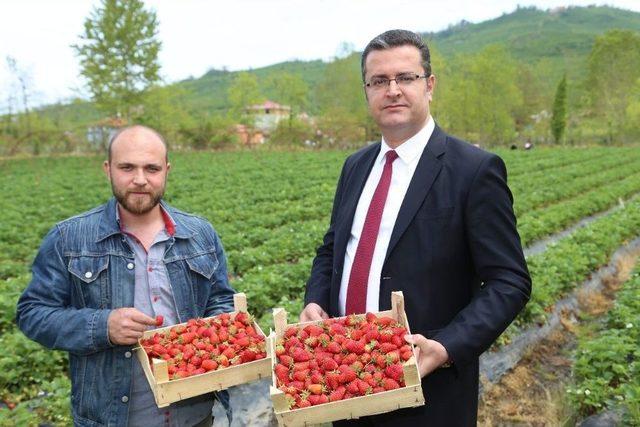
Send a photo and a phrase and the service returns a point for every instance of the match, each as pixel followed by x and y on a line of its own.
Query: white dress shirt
pixel 404 166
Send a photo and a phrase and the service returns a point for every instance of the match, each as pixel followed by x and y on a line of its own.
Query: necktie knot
pixel 391 156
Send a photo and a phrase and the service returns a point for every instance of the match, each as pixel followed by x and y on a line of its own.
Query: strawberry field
pixel 271 210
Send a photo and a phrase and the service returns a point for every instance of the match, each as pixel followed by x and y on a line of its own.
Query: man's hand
pixel 313 312
pixel 126 325
pixel 431 354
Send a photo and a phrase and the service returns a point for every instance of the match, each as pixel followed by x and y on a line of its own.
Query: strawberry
pixel 209 365
pixel 337 394
pixel 248 356
pixel 329 364
pixel 282 373
pixel 159 320
pixel 346 374
pixel 390 384
pixel 334 347
pixel 386 347
pixel 394 372
pixel 315 388
pixel 356 347
pixel 352 387
pixel 304 403
pixel 285 359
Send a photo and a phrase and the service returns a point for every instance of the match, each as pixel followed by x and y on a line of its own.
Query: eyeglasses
pixel 404 79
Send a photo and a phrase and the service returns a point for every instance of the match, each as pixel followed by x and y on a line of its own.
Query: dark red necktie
pixel 357 288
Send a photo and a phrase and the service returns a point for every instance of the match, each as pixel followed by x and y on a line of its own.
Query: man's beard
pixel 142 204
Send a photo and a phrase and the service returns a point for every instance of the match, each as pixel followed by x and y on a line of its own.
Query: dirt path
pixel 533 392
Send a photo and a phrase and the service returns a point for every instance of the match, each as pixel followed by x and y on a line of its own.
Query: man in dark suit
pixel 430 215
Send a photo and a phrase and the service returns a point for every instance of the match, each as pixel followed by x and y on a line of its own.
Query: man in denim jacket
pixel 101 277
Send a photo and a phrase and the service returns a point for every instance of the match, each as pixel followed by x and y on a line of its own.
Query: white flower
pixel 629 325
pixel 587 392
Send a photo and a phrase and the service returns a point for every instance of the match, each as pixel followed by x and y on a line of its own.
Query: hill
pixel 562 37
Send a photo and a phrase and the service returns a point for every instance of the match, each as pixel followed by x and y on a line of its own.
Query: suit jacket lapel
pixel 353 190
pixel 426 172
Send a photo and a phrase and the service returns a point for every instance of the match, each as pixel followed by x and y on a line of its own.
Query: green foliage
pixel 559 112
pixel 22 377
pixel 607 364
pixel 482 95
pixel 164 109
pixel 344 116
pixel 119 54
pixel 613 71
pixel 289 89
pixel 209 132
pixel 292 132
pixel 243 92
pixel 271 217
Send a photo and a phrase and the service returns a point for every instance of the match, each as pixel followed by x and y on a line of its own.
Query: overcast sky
pixel 198 34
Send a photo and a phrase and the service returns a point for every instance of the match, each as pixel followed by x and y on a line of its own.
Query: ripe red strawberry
pixel 352 387
pixel 285 359
pixel 159 320
pixel 317 378
pixel 282 373
pixel 329 364
pixel 304 403
pixel 385 321
pixel 386 347
pixel 300 375
pixel 394 372
pixel 334 347
pixel 332 379
pixel 390 384
pixel 291 331
pixel 356 347
pixel 346 374
pixel 300 355
pixel 337 394
pixel 248 356
pixel 209 365
pixel 363 387
pixel 243 342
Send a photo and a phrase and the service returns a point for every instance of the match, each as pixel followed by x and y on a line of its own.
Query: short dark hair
pixel 120 131
pixel 397 38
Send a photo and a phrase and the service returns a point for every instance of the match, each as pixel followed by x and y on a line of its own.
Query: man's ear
pixel 106 167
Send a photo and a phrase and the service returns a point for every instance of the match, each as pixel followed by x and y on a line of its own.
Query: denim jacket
pixel 83 270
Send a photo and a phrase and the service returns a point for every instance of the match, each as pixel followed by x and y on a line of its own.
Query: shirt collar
pixel 413 147
pixel 169 223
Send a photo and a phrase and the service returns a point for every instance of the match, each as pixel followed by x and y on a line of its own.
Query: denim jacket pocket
pixel 205 264
pixel 88 274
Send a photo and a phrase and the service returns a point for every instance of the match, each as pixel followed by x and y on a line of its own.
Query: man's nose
pixel 393 89
pixel 139 178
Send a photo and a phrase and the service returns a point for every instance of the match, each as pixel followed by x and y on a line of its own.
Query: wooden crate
pixel 378 403
pixel 168 391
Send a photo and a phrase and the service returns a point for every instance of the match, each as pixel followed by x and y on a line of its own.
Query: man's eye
pixel 378 81
pixel 126 168
pixel 405 78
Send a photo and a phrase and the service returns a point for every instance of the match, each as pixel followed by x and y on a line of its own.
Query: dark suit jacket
pixel 455 254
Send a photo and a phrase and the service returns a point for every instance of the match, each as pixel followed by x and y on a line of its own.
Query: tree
pixel 559 113
pixel 613 69
pixel 244 91
pixel 482 96
pixel 343 106
pixel 119 55
pixel 24 81
pixel 291 90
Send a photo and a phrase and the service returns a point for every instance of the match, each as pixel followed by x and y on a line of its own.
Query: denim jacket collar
pixel 109 225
